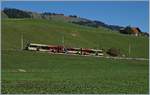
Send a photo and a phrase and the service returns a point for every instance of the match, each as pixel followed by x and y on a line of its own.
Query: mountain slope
pixel 52 32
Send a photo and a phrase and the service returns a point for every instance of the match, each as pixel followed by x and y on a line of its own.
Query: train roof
pixel 44 45
pixel 38 44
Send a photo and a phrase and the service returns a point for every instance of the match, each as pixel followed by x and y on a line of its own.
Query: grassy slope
pixel 51 32
pixel 69 74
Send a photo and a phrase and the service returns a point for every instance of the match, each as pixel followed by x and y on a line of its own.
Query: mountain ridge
pixel 11 13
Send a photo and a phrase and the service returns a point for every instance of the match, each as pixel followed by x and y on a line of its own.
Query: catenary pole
pixel 129 49
pixel 63 40
pixel 21 41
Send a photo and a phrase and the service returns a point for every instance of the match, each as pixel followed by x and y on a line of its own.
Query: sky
pixel 123 13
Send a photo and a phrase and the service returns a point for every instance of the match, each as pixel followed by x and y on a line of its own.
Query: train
pixel 63 49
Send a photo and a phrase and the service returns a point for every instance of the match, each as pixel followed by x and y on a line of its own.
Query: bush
pixel 74 16
pixel 113 52
pixel 126 30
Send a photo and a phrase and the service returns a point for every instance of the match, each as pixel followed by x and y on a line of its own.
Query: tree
pixel 113 52
pixel 16 13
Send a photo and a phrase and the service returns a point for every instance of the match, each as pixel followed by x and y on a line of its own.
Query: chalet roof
pixel 135 30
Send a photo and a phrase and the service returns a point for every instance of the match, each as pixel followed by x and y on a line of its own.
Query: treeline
pixel 87 23
pixel 16 13
pixel 97 24
pixel 48 13
pixel 74 16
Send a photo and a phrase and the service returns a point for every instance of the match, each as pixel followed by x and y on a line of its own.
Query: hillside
pixel 17 13
pixel 52 32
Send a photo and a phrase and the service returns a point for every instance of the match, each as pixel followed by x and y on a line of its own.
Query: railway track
pixel 108 57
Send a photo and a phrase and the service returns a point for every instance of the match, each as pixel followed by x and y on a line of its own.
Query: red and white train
pixel 62 49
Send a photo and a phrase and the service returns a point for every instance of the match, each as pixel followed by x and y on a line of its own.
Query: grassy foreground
pixel 47 73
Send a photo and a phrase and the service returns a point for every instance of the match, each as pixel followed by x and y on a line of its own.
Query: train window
pixel 33 46
pixel 45 47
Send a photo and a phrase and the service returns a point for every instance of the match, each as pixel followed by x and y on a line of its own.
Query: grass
pixel 47 73
pixel 52 32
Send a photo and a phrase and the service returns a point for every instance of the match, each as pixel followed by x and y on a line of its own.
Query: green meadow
pixel 48 73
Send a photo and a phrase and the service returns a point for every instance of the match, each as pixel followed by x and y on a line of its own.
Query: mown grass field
pixel 45 73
